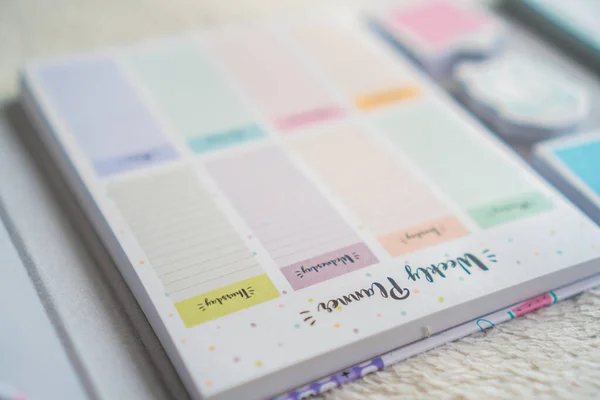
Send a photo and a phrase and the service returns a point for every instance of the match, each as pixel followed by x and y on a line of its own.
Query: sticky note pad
pixel 584 162
pixel 521 97
pixel 438 23
pixel 439 33
pixel 573 164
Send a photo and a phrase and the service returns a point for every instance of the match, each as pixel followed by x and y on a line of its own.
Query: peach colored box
pixel 421 236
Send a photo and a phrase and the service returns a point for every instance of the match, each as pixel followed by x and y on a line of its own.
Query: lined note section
pixel 194 96
pixel 400 210
pixel 368 77
pixel 491 188
pixel 103 112
pixel 301 231
pixel 194 250
pixel 284 90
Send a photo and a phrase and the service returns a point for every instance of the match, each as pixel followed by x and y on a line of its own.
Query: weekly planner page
pixel 297 192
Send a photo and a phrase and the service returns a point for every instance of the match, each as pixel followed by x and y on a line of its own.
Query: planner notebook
pixel 288 199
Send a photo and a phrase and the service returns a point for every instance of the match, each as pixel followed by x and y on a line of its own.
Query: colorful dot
pixel 182 340
pixel 310 300
pixel 171 315
pixel 378 315
pixel 367 274
pixel 559 252
pixel 141 261
pixel 281 305
pixel 355 330
pixel 297 326
pixel 166 294
pixel 460 278
pixel 446 255
pixel 258 364
pixel 236 359
pixel 441 299
pixel 254 253
pixel 208 383
pixel 249 236
pixel 211 348
pixel 510 240
pixel 336 325
pixel 284 291
pixel 403 313
pixel 415 291
pixel 253 325
pixel 519 262
pixel 339 308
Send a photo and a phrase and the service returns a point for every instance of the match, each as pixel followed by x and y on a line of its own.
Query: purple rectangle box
pixel 328 265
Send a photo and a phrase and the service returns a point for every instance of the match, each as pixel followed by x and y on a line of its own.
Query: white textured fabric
pixel 553 353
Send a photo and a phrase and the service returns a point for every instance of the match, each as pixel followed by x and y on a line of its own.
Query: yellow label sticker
pixel 226 300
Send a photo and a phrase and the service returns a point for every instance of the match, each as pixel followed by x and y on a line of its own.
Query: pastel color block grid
pixel 125 112
pixel 194 96
pixel 102 110
pixel 477 177
pixel 389 201
pixel 282 88
pixel 297 225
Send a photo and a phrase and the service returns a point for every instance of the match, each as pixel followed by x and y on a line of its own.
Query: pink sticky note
pixel 437 22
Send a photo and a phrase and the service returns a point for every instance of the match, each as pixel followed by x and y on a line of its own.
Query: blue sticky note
pixel 572 164
pixel 583 160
